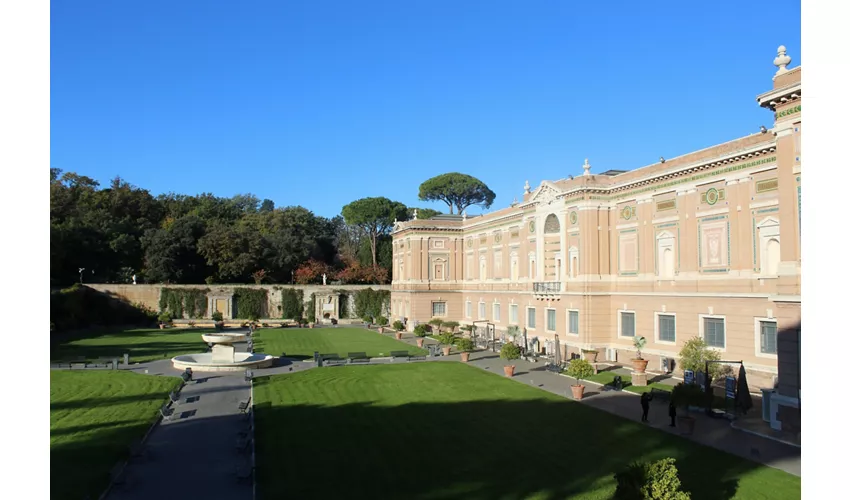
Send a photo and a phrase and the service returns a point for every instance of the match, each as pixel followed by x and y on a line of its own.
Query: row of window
pixel 713 328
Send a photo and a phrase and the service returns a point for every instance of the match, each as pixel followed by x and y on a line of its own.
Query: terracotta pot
pixel 464 356
pixel 578 392
pixel 162 326
pixel 591 356
pixel 640 365
pixel 311 325
pixel 380 329
pixel 420 342
pixel 398 336
pixel 509 370
pixel 447 351
pixel 687 424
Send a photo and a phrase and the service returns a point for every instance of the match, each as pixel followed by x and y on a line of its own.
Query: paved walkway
pixel 194 454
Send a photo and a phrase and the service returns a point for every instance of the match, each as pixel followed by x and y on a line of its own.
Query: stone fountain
pixel 223 357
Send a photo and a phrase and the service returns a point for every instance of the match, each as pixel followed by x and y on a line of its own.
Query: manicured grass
pixel 302 342
pixel 607 378
pixel 142 344
pixel 94 417
pixel 448 430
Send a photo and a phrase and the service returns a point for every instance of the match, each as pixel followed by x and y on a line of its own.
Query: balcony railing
pixel 547 287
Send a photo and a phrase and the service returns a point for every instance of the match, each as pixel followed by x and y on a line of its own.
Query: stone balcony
pixel 547 289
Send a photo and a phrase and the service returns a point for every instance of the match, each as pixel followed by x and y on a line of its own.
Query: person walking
pixel 645 398
pixel 672 414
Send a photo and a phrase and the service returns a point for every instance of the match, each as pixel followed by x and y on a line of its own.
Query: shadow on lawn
pixel 493 449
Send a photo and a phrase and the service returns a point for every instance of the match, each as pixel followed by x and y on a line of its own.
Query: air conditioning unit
pixel 611 354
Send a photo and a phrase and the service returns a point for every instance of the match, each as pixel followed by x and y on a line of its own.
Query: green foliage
pixel 510 351
pixel 695 353
pixel 655 481
pixel 374 216
pixel 422 213
pixel 457 191
pixel 465 345
pixel 292 303
pixel 513 331
pixel 344 308
pixel 310 313
pixel 436 323
pixel 639 343
pixel 81 307
pixel 685 395
pixel 398 326
pixel 579 369
pixel 371 303
pixel 420 330
pixel 450 325
pixel 217 317
pixel 180 302
pixel 250 302
pixel 381 321
pixel 468 328
pixel 447 338
pixel 164 318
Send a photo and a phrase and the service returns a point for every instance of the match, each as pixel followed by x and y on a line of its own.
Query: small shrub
pixel 467 328
pixel 451 325
pixel 447 338
pixel 465 345
pixel 192 324
pixel 639 343
pixel 420 330
pixel 510 351
pixel 217 317
pixel 437 323
pixel 165 318
pixel 398 325
pixel 209 280
pixel 265 325
pixel 579 369
pixel 696 352
pixel 685 395
pixel 656 481
pixel 382 321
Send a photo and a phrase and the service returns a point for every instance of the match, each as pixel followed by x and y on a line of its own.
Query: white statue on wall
pixel 324 279
pixel 134 279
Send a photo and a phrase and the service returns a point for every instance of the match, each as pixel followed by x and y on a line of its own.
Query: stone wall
pixel 148 295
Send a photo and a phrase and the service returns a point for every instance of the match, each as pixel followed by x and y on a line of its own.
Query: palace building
pixel 706 244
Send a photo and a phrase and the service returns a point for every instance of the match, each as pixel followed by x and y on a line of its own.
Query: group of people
pixel 645 398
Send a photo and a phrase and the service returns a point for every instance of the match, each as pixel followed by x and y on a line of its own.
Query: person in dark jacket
pixel 672 414
pixel 645 398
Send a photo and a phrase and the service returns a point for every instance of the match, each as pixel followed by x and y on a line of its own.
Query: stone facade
pixel 220 297
pixel 706 244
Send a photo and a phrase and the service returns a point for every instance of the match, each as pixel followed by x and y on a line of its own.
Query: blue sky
pixel 318 103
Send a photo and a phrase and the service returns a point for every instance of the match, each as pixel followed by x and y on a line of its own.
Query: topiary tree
pixel 398 325
pixel 510 351
pixel 420 330
pixel 447 338
pixel 382 321
pixel 451 325
pixel 465 345
pixel 655 481
pixel 436 323
pixel 579 369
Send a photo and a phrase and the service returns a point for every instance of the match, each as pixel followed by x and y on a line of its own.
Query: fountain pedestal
pixel 223 353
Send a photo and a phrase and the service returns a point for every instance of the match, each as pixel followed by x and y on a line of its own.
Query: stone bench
pixel 358 357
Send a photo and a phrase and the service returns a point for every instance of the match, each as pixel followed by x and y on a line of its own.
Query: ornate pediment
pixel 546 193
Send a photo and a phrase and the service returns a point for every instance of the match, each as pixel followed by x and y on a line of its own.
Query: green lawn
pixel 448 430
pixel 607 378
pixel 142 344
pixel 302 342
pixel 94 417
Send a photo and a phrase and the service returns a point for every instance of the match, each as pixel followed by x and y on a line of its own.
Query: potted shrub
pixel 687 396
pixel 579 369
pixel 437 323
pixel 639 363
pixel 164 320
pixel 192 324
pixel 420 331
pixel 510 352
pixel 658 479
pixel 447 339
pixel 466 346
pixel 311 324
pixel 398 325
pixel 513 334
pixel 590 355
pixel 218 320
pixel 450 325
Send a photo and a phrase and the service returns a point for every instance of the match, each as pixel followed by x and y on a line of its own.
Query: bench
pixel 244 405
pixel 166 412
pixel 358 357
pixel 660 394
pixel 332 359
pixel 399 354
pixel 174 397
pixel 417 357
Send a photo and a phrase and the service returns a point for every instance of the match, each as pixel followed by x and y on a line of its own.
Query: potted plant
pixel 164 320
pixel 466 346
pixel 447 339
pixel 436 323
pixel 687 396
pixel 450 325
pixel 311 324
pixel 192 324
pixel 513 334
pixel 590 355
pixel 579 369
pixel 510 352
pixel 639 363
pixel 420 331
pixel 398 325
pixel 218 320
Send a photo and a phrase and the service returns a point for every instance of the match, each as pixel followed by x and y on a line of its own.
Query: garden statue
pixel 324 279
pixel 134 279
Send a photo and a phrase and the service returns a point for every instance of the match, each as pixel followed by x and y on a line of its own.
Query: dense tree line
pixel 109 234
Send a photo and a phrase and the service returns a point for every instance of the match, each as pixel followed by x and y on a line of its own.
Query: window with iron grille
pixel 438 308
pixel 627 324
pixel 666 328
pixel 574 322
pixel 714 332
pixel 532 321
pixel 551 319
pixel 768 337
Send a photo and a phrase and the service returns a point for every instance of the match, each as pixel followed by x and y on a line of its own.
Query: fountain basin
pixel 223 338
pixel 204 362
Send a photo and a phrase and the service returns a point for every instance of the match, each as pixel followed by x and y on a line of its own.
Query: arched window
pixel 552 225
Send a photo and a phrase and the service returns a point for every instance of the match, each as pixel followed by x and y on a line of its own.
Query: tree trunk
pixel 374 243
